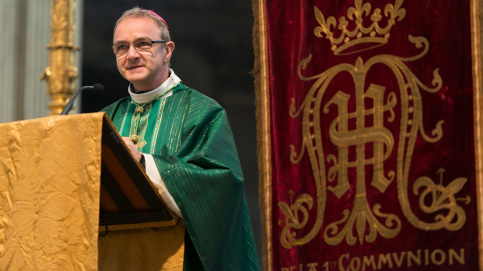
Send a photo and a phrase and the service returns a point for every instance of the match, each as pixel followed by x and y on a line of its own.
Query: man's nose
pixel 132 52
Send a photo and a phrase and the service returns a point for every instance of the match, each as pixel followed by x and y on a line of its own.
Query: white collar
pixel 141 98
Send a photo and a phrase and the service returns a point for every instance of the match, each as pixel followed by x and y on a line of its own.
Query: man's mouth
pixel 133 67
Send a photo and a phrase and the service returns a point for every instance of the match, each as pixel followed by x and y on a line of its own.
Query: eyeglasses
pixel 139 45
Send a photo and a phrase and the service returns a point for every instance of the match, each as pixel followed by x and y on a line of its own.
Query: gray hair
pixel 137 12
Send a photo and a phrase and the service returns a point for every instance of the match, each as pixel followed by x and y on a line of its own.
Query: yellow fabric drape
pixel 49 193
pixel 50 172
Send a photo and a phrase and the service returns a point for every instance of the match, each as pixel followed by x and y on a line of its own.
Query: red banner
pixel 369 134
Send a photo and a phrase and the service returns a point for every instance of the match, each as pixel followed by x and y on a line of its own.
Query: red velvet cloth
pixel 404 150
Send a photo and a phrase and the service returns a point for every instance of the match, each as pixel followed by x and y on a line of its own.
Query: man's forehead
pixel 136 28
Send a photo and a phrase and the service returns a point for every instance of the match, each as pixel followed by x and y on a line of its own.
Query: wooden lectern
pixel 62 180
pixel 128 198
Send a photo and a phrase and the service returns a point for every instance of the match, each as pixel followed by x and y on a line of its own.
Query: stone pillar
pixel 8 53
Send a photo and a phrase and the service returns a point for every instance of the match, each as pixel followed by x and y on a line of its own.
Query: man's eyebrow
pixel 120 42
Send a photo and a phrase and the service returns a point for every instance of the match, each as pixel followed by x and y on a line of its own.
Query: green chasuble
pixel 189 136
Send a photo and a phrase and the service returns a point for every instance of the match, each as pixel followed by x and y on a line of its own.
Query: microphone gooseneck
pixel 95 87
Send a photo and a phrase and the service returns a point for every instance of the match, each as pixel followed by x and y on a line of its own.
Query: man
pixel 184 140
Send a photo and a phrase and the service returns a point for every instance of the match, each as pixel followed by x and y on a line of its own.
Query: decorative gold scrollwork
pixel 366 220
pixel 296 215
pixel 436 198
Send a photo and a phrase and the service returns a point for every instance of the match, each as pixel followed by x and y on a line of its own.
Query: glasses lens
pixel 143 45
pixel 139 45
pixel 121 48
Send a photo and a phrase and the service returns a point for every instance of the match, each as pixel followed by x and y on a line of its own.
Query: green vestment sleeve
pixel 194 151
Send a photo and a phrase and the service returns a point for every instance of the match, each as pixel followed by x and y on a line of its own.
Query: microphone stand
pixel 70 104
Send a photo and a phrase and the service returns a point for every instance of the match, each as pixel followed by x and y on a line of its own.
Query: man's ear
pixel 169 51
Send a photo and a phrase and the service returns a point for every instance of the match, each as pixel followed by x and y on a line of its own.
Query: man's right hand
pixel 132 148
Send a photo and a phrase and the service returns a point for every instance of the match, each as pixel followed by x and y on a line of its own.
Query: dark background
pixel 213 54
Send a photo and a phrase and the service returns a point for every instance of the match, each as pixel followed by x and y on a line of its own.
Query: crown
pixel 359 38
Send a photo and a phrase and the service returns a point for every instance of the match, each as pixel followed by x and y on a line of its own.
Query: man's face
pixel 146 70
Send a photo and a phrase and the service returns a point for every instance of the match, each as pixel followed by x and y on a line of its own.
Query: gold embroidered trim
pixel 478 117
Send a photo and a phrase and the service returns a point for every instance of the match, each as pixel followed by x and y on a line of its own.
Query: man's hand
pixel 132 148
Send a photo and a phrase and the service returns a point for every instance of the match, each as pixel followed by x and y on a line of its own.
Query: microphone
pixel 95 87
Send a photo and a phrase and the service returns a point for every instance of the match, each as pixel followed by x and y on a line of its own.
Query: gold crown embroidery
pixel 353 34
